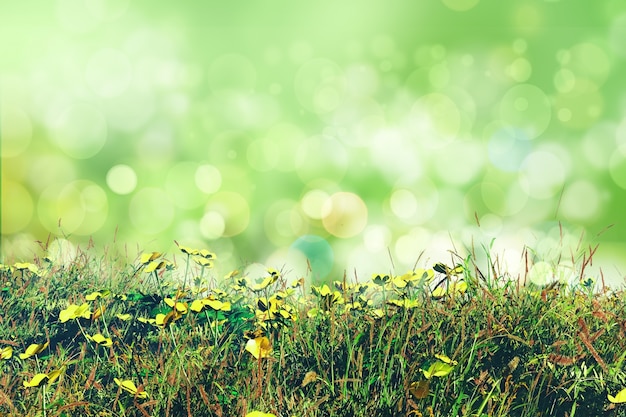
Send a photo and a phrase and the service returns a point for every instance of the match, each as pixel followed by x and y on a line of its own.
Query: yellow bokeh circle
pixel 344 214
pixel 17 207
pixel 80 207
pixel 234 210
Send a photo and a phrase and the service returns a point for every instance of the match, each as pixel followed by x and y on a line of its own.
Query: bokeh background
pixel 354 134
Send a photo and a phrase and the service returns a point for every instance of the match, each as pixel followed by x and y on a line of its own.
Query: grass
pixel 99 337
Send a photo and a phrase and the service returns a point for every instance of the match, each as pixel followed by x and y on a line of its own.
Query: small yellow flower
pixel 154 266
pixel 188 250
pixel 176 305
pixel 26 266
pixel 6 353
pixel 98 312
pixel 265 282
pixel 197 306
pixel 123 317
pixel 73 312
pixel 620 397
pixel 37 380
pixel 259 347
pixel 206 254
pixel 322 291
pixel 33 350
pixel 218 305
pixel 404 303
pixel 130 387
pixel 458 287
pixel 43 379
pixel 378 313
pixel 100 339
pixel 202 261
pixel 97 294
pixel 147 257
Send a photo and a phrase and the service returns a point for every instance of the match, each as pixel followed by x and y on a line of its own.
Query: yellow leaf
pixel 281 295
pixel 404 303
pixel 232 274
pixel 181 307
pixel 445 359
pixel 218 305
pixel 130 387
pixel 259 414
pixel 98 312
pixel 445 269
pixel 399 282
pixel 439 292
pixel 204 262
pixel 155 265
pixel 97 294
pixel 176 305
pixel 453 288
pixel 123 317
pixel 206 254
pixel 378 313
pixel 259 347
pixel 425 274
pixel 286 314
pixel 266 282
pixel 188 250
pixel 197 306
pixel 54 375
pixel 159 320
pixel 22 266
pixel 459 287
pixel 83 311
pixel 147 257
pixel 73 311
pixel 33 350
pixel 323 291
pixel 93 296
pixel 6 353
pixel 37 380
pixel 620 397
pixel 100 339
pixel 68 313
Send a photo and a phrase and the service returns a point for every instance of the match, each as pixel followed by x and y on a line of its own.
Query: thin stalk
pixel 186 272
pixel 95 350
pixel 158 282
pixel 178 353
pixel 43 400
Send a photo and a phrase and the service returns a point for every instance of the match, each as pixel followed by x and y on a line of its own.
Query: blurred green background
pixel 356 134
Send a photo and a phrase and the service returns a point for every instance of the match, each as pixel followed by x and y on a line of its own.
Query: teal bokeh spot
pixel 508 147
pixel 319 253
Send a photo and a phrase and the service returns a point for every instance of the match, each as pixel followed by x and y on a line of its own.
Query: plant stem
pixel 186 271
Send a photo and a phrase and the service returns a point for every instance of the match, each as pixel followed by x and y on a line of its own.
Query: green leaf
pixel 437 369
